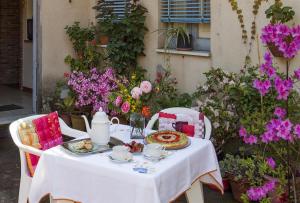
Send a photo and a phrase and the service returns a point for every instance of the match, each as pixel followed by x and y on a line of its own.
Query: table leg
pixel 195 193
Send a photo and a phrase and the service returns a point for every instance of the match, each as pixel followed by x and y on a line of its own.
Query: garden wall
pixel 227 49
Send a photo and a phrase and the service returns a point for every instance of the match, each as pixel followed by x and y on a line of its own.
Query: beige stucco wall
pixel 54 44
pixel 228 51
pixel 187 69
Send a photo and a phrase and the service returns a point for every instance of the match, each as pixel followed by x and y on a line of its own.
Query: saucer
pixel 120 161
pixel 163 155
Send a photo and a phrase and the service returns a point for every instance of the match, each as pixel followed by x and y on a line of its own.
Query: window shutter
pixel 185 11
pixel 113 7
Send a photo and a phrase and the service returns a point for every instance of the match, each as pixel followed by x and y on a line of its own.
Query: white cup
pixel 154 150
pixel 120 153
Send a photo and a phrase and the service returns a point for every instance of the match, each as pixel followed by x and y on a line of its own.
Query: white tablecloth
pixel 95 179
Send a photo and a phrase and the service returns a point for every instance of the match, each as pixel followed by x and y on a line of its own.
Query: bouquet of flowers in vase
pixel 132 100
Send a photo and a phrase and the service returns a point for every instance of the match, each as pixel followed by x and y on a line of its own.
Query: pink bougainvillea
pixel 92 88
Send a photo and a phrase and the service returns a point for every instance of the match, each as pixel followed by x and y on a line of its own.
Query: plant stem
pixel 287 143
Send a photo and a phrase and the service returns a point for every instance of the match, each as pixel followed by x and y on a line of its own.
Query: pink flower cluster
pixel 263 86
pixel 267 67
pixel 248 139
pixel 282 87
pixel 258 193
pixel 93 88
pixel 285 38
pixel 145 87
pixel 271 163
pixel 279 128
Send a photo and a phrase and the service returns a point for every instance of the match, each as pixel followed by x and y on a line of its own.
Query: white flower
pixel 216 124
pixel 136 92
pixel 146 87
pixel 231 82
pixel 216 112
pixel 205 87
pixel 225 80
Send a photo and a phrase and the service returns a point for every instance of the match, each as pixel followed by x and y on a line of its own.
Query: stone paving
pixel 10 174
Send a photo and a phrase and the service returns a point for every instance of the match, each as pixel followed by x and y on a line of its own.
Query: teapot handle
pixel 114 118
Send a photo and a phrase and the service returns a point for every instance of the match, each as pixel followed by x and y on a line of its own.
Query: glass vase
pixel 137 124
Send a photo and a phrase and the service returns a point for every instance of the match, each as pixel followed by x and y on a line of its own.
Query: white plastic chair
pixel 181 110
pixel 25 181
pixel 195 193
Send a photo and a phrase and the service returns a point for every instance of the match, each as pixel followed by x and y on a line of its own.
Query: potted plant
pixel 278 14
pixel 254 178
pixel 182 37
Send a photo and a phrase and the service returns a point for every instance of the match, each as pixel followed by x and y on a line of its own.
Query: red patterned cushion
pixel 46 130
pixel 192 125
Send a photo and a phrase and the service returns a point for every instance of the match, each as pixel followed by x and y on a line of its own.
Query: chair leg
pixel 23 191
pixel 195 193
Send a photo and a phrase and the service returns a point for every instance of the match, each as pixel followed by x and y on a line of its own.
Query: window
pixel 185 11
pixel 115 7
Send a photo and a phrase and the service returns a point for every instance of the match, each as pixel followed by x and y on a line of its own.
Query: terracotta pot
pixel 103 40
pixel 274 50
pixel 66 118
pixel 238 188
pixel 78 122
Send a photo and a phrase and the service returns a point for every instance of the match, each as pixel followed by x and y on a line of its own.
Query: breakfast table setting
pixel 111 167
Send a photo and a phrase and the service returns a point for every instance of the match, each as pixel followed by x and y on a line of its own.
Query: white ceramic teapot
pixel 99 130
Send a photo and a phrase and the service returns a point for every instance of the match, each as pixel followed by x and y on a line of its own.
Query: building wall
pixel 227 49
pixel 187 69
pixel 54 44
pixel 10 34
pixel 27 55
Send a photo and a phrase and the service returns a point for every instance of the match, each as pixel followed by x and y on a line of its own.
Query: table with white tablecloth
pixel 95 178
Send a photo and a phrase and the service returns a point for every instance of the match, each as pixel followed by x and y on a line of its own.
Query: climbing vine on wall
pixel 255 9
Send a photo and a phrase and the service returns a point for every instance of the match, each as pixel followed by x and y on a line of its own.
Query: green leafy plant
pixel 84 44
pixel 126 35
pixel 277 13
pixel 172 33
pixel 252 172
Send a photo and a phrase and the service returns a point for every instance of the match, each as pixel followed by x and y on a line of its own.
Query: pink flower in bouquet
pixel 118 101
pixel 146 87
pixel 136 92
pixel 125 107
pixel 271 162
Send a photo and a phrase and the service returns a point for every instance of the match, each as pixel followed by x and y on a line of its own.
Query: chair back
pixel 13 128
pixel 182 110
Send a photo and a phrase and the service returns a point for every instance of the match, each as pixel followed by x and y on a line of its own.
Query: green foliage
pixel 83 40
pixel 172 33
pixel 230 100
pixel 79 36
pixel 166 93
pixel 126 35
pixel 215 99
pixel 277 13
pixel 253 171
pixel 63 99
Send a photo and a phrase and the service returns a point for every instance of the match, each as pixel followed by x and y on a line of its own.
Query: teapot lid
pixel 100 116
